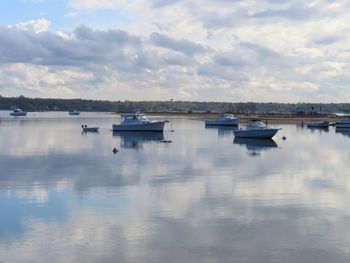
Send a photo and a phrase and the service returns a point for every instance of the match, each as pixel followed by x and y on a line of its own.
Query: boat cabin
pixel 134 118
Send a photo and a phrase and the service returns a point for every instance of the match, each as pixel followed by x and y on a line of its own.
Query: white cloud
pixel 36 26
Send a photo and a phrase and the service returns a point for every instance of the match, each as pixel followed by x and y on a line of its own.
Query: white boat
pixel 318 124
pixel 138 122
pixel 224 120
pixel 345 123
pixel 18 112
pixel 256 129
pixel 73 112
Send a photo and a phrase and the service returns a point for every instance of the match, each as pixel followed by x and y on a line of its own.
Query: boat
pixel 18 112
pixel 73 112
pixel 317 124
pixel 256 129
pixel 138 122
pixel 89 129
pixel 224 120
pixel 345 123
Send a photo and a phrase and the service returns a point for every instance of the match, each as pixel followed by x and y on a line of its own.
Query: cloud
pixel 327 39
pixel 96 4
pixel 184 46
pixel 36 26
pixel 293 12
pixel 164 3
pixel 193 50
pixel 82 47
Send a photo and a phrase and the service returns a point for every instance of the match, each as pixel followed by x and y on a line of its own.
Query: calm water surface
pixel 205 197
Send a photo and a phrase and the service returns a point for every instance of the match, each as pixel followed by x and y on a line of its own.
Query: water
pixel 205 197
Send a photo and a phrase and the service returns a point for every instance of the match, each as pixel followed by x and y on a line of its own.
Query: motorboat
pixel 89 129
pixel 138 122
pixel 345 123
pixel 256 129
pixel 18 112
pixel 73 112
pixel 224 120
pixel 317 124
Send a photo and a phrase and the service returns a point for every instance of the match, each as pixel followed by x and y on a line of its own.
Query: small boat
pixel 138 122
pixel 18 112
pixel 89 129
pixel 256 129
pixel 345 123
pixel 317 124
pixel 224 120
pixel 73 112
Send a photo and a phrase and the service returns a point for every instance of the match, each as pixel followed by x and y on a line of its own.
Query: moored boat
pixel 256 129
pixel 73 112
pixel 224 120
pixel 138 122
pixel 89 129
pixel 18 112
pixel 318 124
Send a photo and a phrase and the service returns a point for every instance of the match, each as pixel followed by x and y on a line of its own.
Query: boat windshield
pixel 256 124
pixel 226 116
pixel 134 117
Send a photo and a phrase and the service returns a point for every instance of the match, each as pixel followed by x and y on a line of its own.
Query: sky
pixel 191 50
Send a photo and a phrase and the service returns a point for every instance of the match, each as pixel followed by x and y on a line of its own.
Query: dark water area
pixel 205 197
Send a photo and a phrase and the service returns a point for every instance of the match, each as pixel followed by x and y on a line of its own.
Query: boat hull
pixel 157 126
pixel 261 133
pixel 90 129
pixel 18 114
pixel 342 125
pixel 222 122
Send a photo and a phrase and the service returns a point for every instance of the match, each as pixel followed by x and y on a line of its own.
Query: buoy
pixel 115 150
pixel 284 138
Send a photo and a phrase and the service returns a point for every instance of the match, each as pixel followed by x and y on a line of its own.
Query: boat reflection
pixel 256 146
pixel 318 129
pixel 135 140
pixel 222 130
pixel 343 131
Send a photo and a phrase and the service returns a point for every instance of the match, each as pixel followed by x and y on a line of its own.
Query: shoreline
pixel 270 118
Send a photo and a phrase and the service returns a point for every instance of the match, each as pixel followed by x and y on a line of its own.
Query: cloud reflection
pixel 195 200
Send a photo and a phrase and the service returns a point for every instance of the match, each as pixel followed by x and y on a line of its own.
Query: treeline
pixel 39 104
